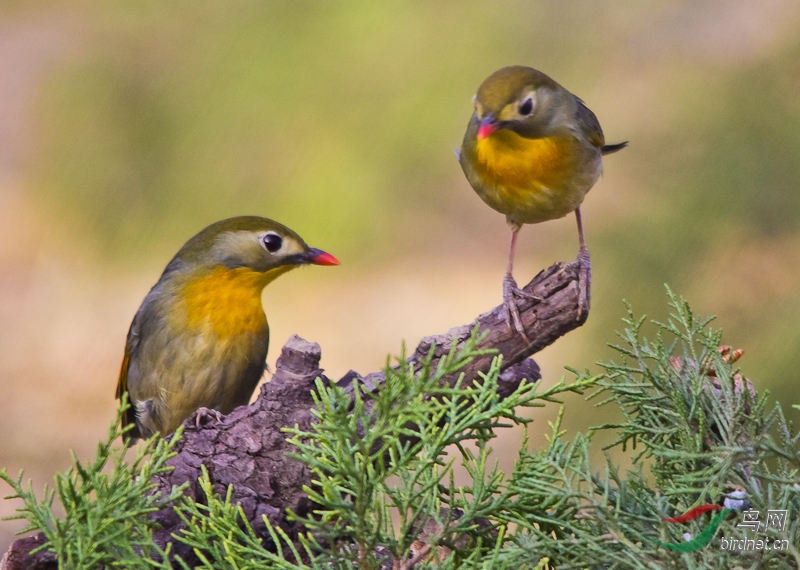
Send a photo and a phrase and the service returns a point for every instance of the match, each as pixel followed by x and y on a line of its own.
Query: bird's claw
pixel 204 413
pixel 584 282
pixel 510 291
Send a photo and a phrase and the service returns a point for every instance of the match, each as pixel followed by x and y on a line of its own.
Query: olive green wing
pixel 590 127
pixel 129 415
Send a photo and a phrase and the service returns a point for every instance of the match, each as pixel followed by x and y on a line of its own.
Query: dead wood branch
pixel 247 449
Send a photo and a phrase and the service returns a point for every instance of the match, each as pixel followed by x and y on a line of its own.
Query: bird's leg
pixel 510 289
pixel 584 269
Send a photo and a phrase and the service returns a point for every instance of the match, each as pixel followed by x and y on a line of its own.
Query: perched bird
pixel 532 151
pixel 200 337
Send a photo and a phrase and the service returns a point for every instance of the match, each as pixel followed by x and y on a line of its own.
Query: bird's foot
pixel 510 292
pixel 203 414
pixel 584 283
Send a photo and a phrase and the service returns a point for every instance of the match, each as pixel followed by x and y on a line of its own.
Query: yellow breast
pixel 513 161
pixel 228 301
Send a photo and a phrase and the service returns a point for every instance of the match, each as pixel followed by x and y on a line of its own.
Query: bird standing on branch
pixel 532 151
pixel 200 337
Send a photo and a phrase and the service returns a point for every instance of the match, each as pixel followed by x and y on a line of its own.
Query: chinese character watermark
pixel 775 519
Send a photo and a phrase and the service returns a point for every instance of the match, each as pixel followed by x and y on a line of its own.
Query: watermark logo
pixel 735 502
pixel 775 519
pixel 705 536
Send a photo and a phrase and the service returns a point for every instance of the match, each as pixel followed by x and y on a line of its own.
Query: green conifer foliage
pixel 694 430
pixel 107 502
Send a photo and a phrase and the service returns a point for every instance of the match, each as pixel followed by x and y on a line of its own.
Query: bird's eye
pixel 272 242
pixel 526 107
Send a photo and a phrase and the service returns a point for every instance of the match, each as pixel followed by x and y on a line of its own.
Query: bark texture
pixel 247 449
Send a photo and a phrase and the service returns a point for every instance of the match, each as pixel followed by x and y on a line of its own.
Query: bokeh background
pixel 127 127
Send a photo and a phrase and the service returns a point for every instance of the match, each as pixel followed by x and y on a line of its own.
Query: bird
pixel 531 151
pixel 200 337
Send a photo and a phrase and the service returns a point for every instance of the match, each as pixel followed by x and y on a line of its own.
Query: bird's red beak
pixel 319 257
pixel 488 126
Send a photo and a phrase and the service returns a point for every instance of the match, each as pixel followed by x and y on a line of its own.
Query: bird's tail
pixel 612 148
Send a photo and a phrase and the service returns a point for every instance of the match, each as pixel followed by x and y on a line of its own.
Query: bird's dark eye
pixel 272 242
pixel 526 107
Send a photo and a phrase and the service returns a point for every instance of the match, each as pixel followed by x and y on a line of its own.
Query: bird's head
pixel 520 99
pixel 251 242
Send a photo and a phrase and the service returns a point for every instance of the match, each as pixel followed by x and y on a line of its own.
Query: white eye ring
pixel 272 242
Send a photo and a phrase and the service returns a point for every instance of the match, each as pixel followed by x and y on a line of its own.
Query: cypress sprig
pixel 107 504
pixel 694 429
pixel 382 473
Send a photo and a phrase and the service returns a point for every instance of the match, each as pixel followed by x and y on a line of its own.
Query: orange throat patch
pixel 511 160
pixel 228 301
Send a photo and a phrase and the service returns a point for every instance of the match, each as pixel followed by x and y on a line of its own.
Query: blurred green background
pixel 127 127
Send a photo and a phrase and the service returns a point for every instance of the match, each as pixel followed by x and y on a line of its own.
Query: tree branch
pixel 247 449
